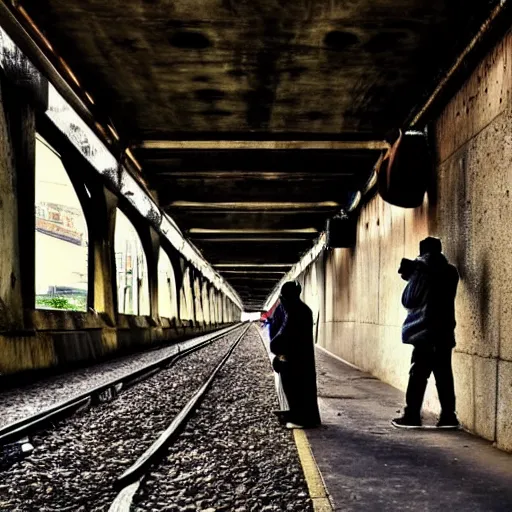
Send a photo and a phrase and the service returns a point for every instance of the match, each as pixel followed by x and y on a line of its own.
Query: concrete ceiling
pixel 259 70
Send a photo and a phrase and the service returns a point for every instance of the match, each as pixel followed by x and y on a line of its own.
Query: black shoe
pixel 406 422
pixel 282 416
pixel 450 422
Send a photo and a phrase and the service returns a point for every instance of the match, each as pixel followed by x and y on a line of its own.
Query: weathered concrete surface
pixel 59 350
pixel 164 67
pixel 369 465
pixel 469 208
pixel 11 316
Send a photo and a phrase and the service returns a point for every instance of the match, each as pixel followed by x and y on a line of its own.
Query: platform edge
pixel 315 482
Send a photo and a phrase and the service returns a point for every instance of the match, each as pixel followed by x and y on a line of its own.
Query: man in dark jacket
pixel 295 358
pixel 429 298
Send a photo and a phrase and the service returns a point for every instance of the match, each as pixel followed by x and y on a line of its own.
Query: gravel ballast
pixel 233 454
pixel 17 404
pixel 72 467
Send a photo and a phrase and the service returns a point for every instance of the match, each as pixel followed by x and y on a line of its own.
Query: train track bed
pixel 233 455
pixel 74 466
pixel 17 404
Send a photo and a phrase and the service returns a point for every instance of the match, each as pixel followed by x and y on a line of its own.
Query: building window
pixel 167 302
pixel 61 255
pixel 131 268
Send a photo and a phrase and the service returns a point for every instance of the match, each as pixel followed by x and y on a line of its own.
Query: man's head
pixel 290 291
pixel 430 245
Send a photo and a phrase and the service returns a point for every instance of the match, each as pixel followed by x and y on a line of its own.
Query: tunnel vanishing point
pixel 165 166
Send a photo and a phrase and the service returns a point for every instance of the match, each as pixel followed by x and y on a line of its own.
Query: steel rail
pixel 16 430
pixel 129 482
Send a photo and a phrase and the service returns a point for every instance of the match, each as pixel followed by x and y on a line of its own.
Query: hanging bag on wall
pixel 341 231
pixel 403 172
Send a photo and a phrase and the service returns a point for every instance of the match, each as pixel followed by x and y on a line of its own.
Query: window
pixel 131 267
pixel 166 287
pixel 61 250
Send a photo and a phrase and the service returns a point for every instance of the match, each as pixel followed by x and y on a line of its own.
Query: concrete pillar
pixel 152 255
pixel 187 307
pixel 101 237
pixel 205 301
pixel 213 308
pixel 11 292
pixel 22 126
pixel 196 290
pixel 218 306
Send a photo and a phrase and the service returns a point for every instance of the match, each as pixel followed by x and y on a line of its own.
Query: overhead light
pixel 34 27
pixel 114 133
pixel 133 159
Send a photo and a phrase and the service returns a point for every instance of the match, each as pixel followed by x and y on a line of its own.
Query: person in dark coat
pixel 295 359
pixel 429 298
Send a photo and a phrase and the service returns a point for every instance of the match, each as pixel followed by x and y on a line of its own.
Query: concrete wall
pixel 470 209
pixel 49 340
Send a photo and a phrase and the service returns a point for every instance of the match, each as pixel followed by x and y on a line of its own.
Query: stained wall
pixel 469 207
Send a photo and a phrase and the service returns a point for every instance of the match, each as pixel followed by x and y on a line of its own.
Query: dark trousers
pixel 426 360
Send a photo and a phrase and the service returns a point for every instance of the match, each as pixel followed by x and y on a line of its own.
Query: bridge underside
pixel 253 122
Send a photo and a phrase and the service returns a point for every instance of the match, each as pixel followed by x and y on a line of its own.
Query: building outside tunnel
pixel 164 170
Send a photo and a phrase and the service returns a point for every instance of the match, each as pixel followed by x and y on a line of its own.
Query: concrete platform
pixel 369 465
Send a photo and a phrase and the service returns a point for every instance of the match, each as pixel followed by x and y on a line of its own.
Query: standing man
pixel 295 359
pixel 429 298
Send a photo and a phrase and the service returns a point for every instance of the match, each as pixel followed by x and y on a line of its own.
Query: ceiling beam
pixel 253 265
pixel 243 175
pixel 206 231
pixel 253 205
pixel 371 145
pixel 241 239
pixel 253 272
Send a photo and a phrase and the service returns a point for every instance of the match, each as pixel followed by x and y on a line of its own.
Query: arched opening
pixel 167 300
pixel 131 268
pixel 61 251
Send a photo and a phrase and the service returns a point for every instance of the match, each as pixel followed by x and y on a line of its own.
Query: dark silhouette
pixel 429 298
pixel 295 358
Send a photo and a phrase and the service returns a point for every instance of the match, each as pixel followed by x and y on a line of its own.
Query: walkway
pixel 369 465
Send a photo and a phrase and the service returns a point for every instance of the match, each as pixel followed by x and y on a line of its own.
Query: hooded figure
pixel 429 298
pixel 295 358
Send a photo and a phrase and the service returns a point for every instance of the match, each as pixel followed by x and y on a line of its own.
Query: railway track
pixel 198 435
pixel 99 394
pixel 130 480
pixel 74 474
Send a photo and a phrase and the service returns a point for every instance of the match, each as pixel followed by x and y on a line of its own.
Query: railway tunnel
pixel 166 166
